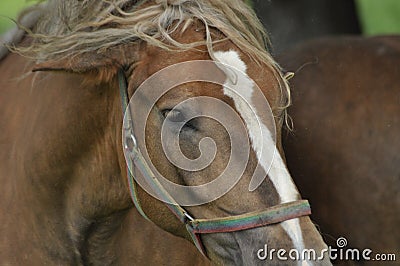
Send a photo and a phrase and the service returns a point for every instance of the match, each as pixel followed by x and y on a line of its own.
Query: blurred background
pixel 291 21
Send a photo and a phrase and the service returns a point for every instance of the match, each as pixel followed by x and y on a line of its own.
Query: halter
pixel 196 227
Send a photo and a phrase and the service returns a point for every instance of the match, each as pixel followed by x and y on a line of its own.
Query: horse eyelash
pixel 188 125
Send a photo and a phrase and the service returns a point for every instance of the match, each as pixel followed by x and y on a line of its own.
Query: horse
pixel 344 149
pixel 66 195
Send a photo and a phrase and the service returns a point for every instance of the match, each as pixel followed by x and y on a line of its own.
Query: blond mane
pixel 70 27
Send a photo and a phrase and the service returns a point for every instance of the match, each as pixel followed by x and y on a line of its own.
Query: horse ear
pixel 80 63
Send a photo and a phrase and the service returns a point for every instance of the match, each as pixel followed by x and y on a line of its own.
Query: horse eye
pixel 173 115
pixel 178 116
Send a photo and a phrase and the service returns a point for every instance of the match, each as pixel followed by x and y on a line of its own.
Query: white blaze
pixel 261 138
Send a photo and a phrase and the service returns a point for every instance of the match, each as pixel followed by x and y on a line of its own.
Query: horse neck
pixel 60 172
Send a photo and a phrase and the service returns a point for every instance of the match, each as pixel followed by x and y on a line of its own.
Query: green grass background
pixel 379 16
pixel 10 9
pixel 376 16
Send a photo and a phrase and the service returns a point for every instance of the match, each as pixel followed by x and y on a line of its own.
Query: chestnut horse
pixel 345 148
pixel 65 195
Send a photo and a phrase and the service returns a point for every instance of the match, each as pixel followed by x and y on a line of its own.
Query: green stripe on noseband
pixel 272 215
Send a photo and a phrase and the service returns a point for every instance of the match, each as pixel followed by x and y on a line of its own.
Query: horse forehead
pixel 156 59
pixel 256 75
pixel 260 73
pixel 229 55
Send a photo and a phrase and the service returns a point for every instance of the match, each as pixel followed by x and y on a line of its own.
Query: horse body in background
pixel 344 151
pixel 64 192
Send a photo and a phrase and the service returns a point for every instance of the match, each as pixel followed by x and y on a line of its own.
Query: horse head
pixel 224 117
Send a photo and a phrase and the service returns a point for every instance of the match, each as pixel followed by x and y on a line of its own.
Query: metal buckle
pixel 129 137
pixel 190 218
